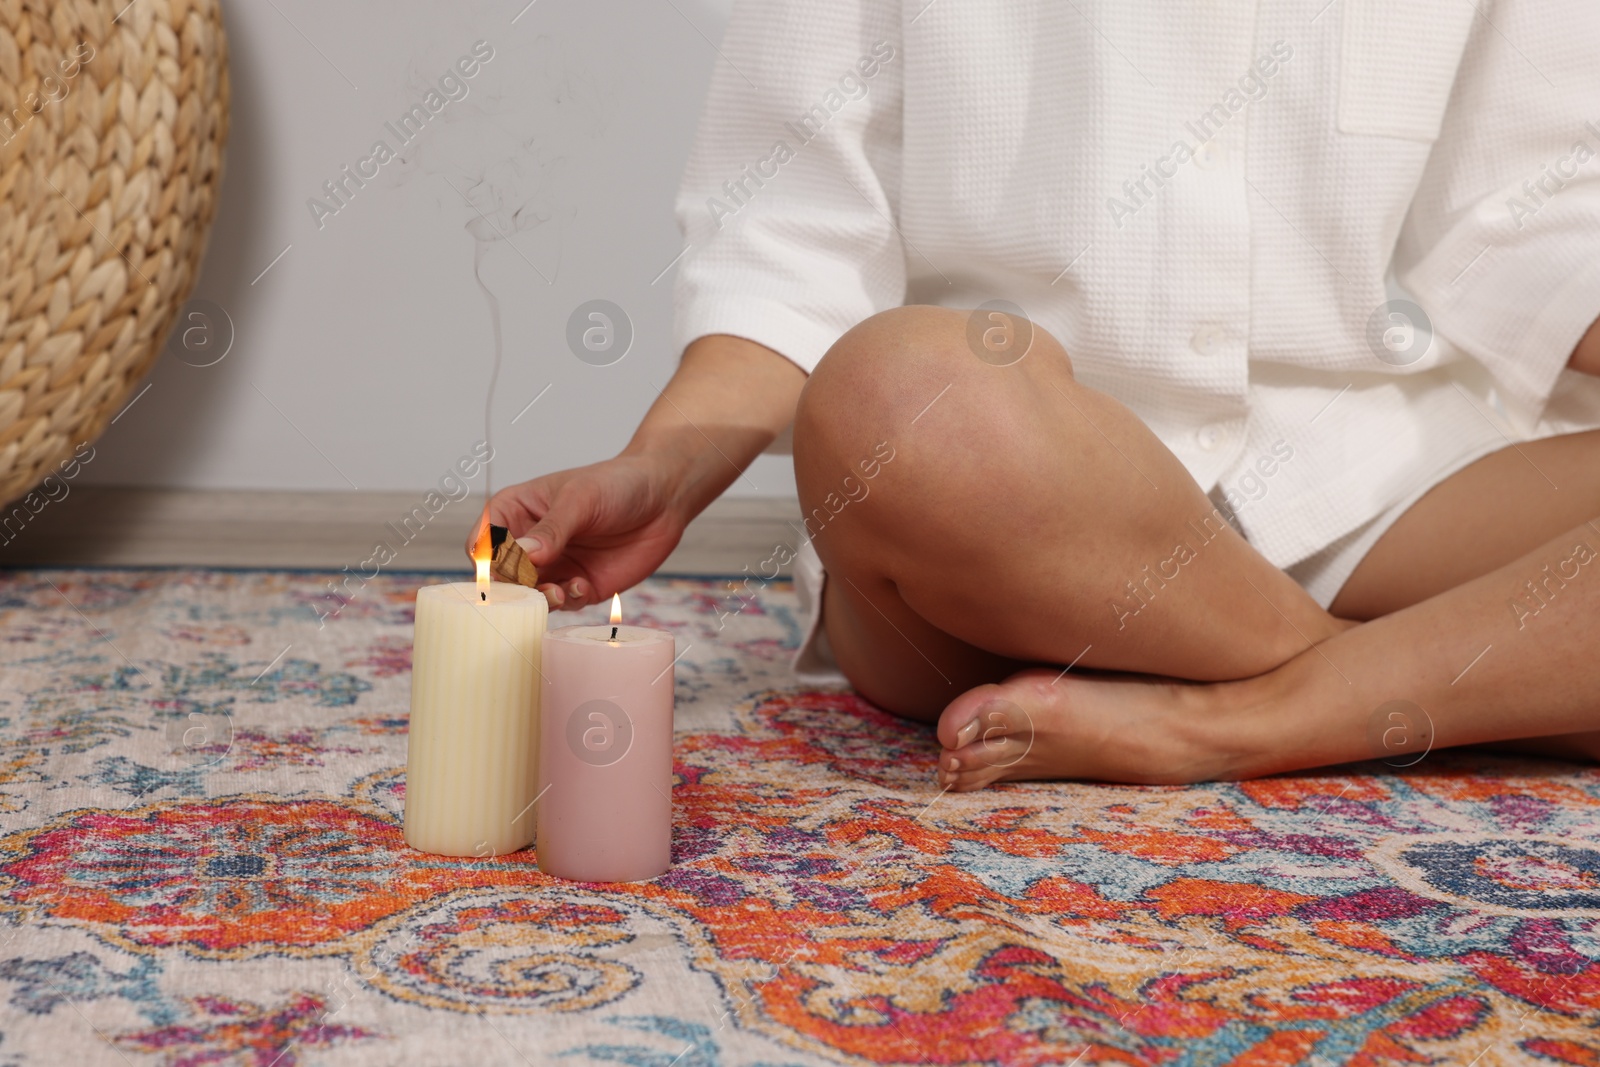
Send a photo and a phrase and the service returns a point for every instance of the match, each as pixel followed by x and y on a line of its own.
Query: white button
pixel 1209 340
pixel 1211 155
pixel 1211 436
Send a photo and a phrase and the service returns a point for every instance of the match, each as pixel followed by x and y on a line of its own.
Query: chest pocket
pixel 1397 62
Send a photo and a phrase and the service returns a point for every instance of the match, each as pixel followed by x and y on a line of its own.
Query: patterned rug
pixel 201 863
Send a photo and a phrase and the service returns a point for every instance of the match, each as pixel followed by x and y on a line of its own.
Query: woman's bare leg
pixel 1022 518
pixel 1500 508
pixel 1032 501
pixel 1494 511
pixel 1509 653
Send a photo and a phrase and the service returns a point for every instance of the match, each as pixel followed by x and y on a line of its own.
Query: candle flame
pixel 481 556
pixel 616 608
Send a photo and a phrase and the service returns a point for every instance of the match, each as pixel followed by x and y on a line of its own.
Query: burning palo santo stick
pixel 508 562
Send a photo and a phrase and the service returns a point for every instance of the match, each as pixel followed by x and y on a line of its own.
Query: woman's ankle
pixel 1239 730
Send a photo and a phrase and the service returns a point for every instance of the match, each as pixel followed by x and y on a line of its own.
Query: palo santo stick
pixel 509 563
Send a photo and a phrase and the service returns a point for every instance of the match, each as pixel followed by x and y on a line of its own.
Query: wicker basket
pixel 109 170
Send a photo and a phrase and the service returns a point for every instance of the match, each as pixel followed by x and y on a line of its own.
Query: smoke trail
pixel 480 247
pixel 505 200
pixel 503 153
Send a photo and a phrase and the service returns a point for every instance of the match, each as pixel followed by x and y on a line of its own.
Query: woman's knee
pixel 887 372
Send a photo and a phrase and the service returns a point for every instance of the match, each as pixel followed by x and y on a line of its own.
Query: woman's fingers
pixel 507 508
pixel 575 594
pixel 571 512
pixel 587 530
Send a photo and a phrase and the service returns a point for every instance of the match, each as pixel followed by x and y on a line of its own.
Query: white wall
pixel 371 334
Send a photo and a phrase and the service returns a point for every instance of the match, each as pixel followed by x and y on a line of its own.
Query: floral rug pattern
pixel 201 862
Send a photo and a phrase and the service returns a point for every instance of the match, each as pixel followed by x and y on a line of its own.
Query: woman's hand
pixel 596 530
pixel 592 531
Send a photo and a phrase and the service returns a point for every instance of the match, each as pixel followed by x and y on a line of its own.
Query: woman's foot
pixel 1047 724
pixel 1043 724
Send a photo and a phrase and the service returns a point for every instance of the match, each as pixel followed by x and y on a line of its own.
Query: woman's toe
pixel 970 778
pixel 995 751
pixel 974 714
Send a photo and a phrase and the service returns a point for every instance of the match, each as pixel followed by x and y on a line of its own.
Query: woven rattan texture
pixel 113 118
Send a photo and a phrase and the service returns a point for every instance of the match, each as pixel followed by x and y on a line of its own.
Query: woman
pixel 1320 479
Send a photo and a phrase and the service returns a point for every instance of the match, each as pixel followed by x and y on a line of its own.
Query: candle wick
pixel 613 633
pixel 483 595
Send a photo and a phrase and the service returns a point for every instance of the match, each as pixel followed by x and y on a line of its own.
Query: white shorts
pixel 1322 575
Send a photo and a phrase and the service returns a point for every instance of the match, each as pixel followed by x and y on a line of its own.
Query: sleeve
pixel 1502 245
pixel 788 200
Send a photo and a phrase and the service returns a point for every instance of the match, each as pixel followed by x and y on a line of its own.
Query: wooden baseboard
pixel 107 527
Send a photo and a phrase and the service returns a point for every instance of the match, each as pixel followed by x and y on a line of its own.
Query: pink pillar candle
pixel 605 754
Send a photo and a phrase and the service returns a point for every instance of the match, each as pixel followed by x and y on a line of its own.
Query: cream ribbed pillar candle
pixel 472 759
